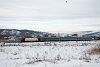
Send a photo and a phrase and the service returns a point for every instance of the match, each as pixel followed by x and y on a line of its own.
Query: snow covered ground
pixel 49 54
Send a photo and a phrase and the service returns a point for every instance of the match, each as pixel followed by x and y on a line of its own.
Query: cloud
pixel 50 15
pixel 49 9
pixel 93 25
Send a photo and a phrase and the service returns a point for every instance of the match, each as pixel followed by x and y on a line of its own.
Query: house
pixel 4 37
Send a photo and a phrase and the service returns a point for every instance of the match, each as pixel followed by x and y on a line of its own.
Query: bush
pixel 95 50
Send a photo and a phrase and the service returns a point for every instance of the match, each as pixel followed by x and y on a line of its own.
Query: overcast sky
pixel 50 15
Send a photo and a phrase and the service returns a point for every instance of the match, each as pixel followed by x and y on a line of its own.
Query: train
pixel 30 39
pixel 46 39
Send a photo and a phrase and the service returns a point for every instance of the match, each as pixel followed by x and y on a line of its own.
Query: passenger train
pixel 45 39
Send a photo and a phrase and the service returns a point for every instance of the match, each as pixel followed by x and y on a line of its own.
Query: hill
pixel 16 32
pixel 88 33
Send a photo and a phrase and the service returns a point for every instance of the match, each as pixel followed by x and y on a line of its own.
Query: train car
pixel 30 39
pixel 68 39
pixel 76 38
pixel 44 39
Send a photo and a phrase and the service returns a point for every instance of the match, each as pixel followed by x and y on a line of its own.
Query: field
pixel 50 54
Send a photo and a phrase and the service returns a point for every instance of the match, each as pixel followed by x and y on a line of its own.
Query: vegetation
pixel 95 50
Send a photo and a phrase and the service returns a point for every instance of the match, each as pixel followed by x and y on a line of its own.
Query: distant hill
pixel 88 33
pixel 16 32
pixel 93 34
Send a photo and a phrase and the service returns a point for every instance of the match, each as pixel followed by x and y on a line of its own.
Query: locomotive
pixel 45 39
pixel 30 39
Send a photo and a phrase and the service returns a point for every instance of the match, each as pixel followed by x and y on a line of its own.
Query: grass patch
pixel 94 51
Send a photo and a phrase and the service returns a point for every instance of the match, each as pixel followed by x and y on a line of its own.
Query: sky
pixel 50 15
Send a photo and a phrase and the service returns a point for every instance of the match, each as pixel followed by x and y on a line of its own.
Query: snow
pixel 15 32
pixel 4 32
pixel 93 33
pixel 49 54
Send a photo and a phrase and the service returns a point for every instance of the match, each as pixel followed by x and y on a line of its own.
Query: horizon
pixel 58 32
pixel 50 15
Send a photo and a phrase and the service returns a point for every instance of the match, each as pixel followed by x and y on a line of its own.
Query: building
pixel 4 37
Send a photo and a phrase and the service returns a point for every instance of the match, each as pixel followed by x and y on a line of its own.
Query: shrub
pixel 95 50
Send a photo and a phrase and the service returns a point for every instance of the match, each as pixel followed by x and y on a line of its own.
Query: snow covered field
pixel 49 54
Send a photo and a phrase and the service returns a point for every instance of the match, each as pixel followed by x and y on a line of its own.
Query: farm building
pixel 4 37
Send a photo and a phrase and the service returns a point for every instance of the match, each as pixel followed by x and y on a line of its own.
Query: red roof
pixel 3 36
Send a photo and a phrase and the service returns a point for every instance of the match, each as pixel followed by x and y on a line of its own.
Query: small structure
pixel 4 37
pixel 74 34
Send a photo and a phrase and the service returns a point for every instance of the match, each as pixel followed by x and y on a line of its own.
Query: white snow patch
pixel 49 54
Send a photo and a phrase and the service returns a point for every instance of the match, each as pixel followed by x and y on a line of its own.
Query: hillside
pixel 88 33
pixel 16 32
